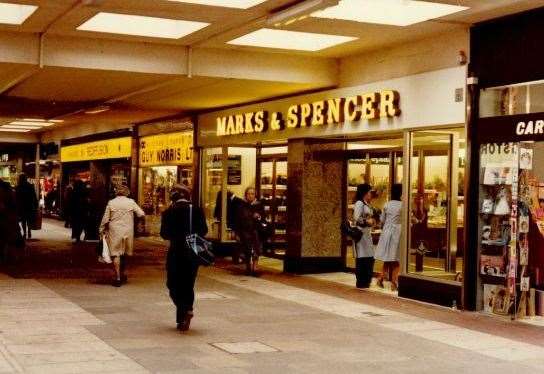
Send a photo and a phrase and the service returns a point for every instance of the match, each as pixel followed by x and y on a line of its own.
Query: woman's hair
pixel 396 191
pixel 122 190
pixel 247 190
pixel 179 191
pixel 362 190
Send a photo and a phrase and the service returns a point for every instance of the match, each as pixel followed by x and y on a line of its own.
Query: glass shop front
pixel 305 156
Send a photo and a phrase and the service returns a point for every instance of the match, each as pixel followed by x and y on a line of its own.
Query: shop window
pixel 212 180
pixel 510 100
pixel 436 204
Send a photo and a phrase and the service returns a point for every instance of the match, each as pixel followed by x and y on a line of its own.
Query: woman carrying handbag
pixel 180 221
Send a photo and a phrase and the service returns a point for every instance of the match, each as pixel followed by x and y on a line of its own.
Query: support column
pixel 315 186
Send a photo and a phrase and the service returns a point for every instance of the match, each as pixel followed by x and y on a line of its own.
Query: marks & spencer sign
pixel 368 106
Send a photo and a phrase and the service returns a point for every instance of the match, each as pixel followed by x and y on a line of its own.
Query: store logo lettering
pixel 530 127
pixel 368 106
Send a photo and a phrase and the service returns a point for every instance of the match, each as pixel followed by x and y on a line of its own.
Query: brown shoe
pixel 184 326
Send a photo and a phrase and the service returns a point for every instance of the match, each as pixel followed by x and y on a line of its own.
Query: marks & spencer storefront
pixel 305 156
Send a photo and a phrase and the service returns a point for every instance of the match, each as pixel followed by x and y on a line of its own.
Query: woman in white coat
pixel 117 227
pixel 388 249
pixel 363 215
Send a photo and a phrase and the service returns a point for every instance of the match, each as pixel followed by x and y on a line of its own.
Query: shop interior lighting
pixel 128 24
pixel 296 40
pixel 388 12
pixel 15 14
pixel 298 12
pixel 239 4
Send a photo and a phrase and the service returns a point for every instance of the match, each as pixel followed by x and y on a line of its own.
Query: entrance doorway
pixel 378 163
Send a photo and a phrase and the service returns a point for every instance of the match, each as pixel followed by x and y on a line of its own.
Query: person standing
pixel 364 249
pixel 388 249
pixel 10 232
pixel 179 220
pixel 249 214
pixel 27 204
pixel 79 210
pixel 117 227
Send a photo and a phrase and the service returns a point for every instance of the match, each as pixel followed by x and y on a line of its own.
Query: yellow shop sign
pixel 167 149
pixel 99 150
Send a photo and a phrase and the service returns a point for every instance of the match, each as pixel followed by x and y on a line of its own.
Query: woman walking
pixel 364 249
pixel 178 221
pixel 117 227
pixel 388 249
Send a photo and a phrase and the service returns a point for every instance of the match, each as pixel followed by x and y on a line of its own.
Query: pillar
pixel 315 193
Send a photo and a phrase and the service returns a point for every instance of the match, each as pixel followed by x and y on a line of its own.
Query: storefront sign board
pixel 98 150
pixel 411 102
pixel 166 149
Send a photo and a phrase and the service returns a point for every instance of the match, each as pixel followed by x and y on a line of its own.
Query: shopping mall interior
pixel 301 103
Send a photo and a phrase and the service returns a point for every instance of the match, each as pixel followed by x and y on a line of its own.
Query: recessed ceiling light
pixel 21 127
pixel 27 123
pixel 13 130
pixel 128 24
pixel 284 39
pixel 388 12
pixel 15 14
pixel 240 4
pixel 98 109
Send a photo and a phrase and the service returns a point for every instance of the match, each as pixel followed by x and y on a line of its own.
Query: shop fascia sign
pixel 167 149
pixel 368 106
pixel 98 150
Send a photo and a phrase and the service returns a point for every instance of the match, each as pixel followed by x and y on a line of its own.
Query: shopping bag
pixel 104 256
pixel 36 223
pixel 201 247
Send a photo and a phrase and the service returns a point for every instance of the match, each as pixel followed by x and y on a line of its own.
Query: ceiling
pixel 65 88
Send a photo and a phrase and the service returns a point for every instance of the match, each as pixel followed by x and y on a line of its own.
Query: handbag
pixel 198 245
pixel 36 223
pixel 353 232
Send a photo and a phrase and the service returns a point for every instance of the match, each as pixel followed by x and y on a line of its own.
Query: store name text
pixel 530 127
pixel 368 106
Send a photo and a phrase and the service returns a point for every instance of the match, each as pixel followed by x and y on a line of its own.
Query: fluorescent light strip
pixel 13 130
pixel 15 14
pixel 27 123
pixel 296 40
pixel 128 24
pixel 239 4
pixel 21 127
pixel 388 12
pixel 34 119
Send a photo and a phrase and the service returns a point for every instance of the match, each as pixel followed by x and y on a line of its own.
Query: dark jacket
pixel 9 228
pixel 175 223
pixel 27 202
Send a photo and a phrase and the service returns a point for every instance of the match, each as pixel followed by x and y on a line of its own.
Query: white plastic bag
pixel 105 252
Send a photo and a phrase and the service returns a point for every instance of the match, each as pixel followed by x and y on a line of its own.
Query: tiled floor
pixel 243 325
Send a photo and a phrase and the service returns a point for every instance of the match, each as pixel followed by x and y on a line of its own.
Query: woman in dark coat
pixel 79 210
pixel 27 204
pixel 181 262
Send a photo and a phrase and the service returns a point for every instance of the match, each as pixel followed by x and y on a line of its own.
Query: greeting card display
pixel 493 265
pixel 498 175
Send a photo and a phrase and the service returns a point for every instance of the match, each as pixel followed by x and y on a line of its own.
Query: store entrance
pixel 378 163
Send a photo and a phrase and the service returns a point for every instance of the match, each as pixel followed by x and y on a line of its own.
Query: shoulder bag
pixel 200 246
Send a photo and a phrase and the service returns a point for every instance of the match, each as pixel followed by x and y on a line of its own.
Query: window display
pixel 511 227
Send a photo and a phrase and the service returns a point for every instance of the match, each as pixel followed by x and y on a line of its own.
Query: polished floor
pixel 60 321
